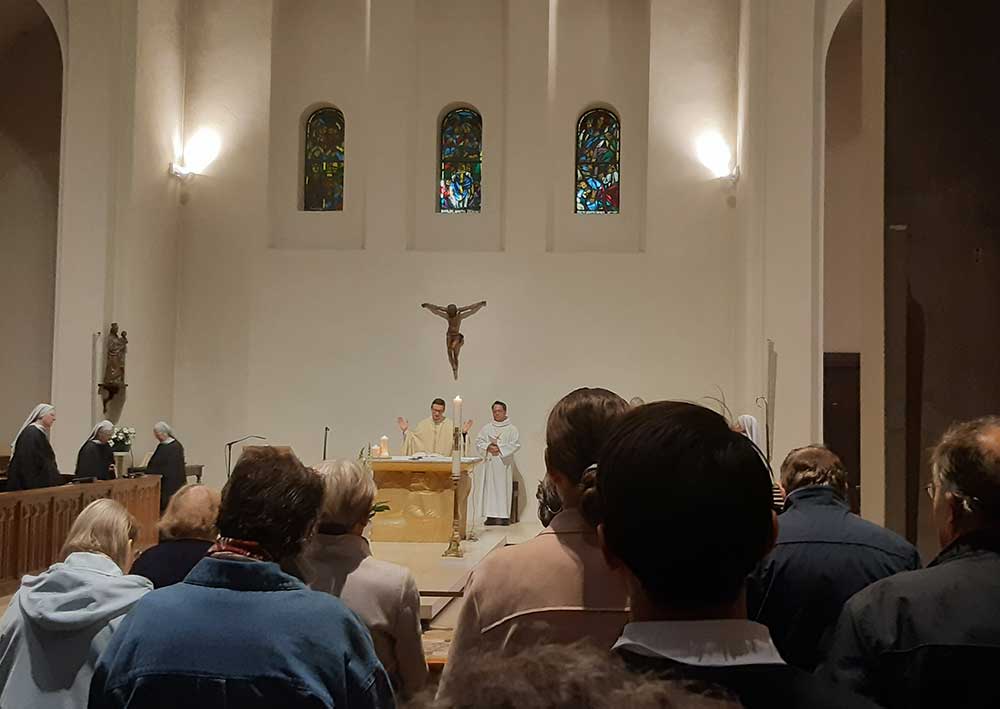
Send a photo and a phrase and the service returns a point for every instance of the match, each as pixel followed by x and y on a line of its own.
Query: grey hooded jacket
pixel 56 626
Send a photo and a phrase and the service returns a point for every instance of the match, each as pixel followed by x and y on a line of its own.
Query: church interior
pixel 787 215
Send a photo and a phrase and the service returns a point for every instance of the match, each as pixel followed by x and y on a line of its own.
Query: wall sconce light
pixel 201 149
pixel 714 153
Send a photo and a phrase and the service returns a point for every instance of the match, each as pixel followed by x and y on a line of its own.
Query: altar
pixel 420 496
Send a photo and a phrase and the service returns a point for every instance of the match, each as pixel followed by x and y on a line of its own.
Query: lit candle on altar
pixel 375 452
pixel 384 446
pixel 457 410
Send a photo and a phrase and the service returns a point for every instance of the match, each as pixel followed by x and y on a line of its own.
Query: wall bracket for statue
pixel 454 339
pixel 114 366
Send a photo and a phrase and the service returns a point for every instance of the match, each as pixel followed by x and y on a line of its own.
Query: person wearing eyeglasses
pixel 931 638
pixel 824 554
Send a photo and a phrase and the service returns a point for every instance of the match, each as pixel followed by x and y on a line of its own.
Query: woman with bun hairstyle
pixel 554 588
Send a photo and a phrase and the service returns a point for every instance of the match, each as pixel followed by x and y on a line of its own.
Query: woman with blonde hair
pixel 58 622
pixel 187 532
pixel 339 561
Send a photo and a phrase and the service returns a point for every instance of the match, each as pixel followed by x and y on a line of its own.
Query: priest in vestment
pixel 95 459
pixel 497 442
pixel 33 463
pixel 432 435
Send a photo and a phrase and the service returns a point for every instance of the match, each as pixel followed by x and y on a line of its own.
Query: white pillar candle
pixel 456 461
pixel 457 411
pixel 384 446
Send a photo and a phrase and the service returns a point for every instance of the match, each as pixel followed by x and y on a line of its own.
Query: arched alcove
pixel 31 78
pixel 853 336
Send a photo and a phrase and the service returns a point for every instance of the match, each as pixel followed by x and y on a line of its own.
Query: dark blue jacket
pixel 823 556
pixel 928 638
pixel 239 634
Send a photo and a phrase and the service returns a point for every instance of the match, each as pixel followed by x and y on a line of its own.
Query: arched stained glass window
pixel 461 161
pixel 324 164
pixel 598 148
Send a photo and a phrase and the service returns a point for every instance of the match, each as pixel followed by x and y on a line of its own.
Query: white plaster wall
pixel 460 60
pixel 600 56
pixel 118 218
pixel 779 226
pixel 93 120
pixel 282 342
pixel 319 57
pixel 854 311
pixel 30 118
pixel 144 267
pixel 223 224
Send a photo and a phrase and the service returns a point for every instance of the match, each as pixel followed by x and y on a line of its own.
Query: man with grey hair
pixel 167 462
pixel 931 638
pixel 824 554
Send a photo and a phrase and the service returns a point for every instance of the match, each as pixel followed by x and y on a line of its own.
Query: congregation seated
pixel 339 561
pixel 824 555
pixel 59 621
pixel 33 462
pixel 685 504
pixel 187 532
pixel 95 459
pixel 554 587
pixel 237 631
pixel 556 676
pixel 931 638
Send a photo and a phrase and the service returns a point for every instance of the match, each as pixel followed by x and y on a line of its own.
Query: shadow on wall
pixel 31 74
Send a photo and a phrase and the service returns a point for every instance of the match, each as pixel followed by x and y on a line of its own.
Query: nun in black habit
pixel 95 459
pixel 33 464
pixel 168 462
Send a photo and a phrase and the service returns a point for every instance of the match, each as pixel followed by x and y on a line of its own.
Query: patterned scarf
pixel 239 547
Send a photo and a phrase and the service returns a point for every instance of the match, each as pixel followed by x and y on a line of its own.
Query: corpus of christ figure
pixel 454 339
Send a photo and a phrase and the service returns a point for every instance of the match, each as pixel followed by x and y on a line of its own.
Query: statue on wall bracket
pixel 114 365
pixel 454 339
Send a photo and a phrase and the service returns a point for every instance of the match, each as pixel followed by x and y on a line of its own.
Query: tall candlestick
pixel 457 410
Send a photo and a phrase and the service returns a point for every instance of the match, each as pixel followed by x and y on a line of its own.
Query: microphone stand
pixel 229 451
pixel 326 433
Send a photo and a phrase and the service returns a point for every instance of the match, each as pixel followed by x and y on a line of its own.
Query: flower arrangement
pixel 121 438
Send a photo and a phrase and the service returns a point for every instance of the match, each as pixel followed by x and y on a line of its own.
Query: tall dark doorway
pixel 842 414
pixel 942 236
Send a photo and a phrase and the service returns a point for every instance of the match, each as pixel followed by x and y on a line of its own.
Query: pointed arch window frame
pixel 460 165
pixel 597 165
pixel 316 165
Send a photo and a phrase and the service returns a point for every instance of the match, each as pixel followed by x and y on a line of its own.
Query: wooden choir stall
pixel 34 523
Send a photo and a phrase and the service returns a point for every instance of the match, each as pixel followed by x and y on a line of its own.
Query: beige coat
pixel 384 596
pixel 553 588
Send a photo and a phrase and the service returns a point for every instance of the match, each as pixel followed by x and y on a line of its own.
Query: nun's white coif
pixel 103 425
pixel 36 413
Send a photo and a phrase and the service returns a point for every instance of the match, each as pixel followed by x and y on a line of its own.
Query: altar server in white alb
pixel 497 443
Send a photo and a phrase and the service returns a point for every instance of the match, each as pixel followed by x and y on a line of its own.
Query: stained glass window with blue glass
pixel 324 164
pixel 598 146
pixel 461 161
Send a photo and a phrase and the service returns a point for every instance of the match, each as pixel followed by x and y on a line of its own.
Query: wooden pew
pixel 34 523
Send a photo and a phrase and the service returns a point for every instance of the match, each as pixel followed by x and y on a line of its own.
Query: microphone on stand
pixel 229 451
pixel 326 434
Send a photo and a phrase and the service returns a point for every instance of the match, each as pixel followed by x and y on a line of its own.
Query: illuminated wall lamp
pixel 201 149
pixel 714 153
